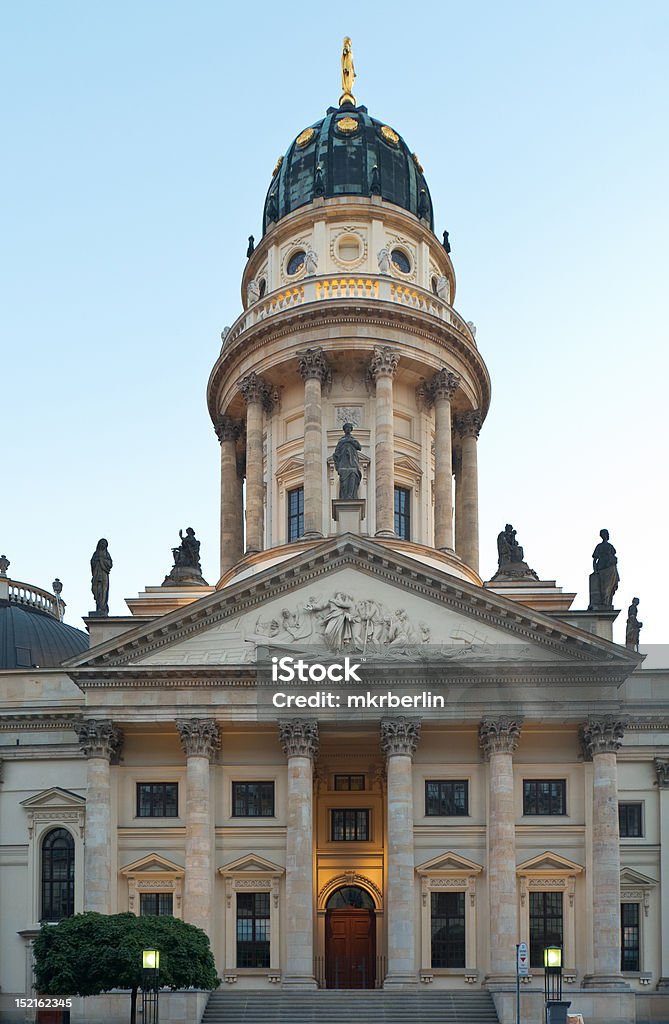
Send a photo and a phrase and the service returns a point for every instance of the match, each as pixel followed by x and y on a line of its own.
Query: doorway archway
pixel 350 939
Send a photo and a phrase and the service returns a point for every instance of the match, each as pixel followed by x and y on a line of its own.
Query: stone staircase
pixel 347 1006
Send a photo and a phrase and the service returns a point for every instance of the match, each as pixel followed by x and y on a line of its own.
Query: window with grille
pixel 544 796
pixel 630 959
pixel 546 927
pixel 157 799
pixel 446 797
pixel 57 877
pixel 253 799
pixel 349 783
pixel 296 513
pixel 403 512
pixel 630 821
pixel 349 825
pixel 448 929
pixel 155 904
pixel 253 929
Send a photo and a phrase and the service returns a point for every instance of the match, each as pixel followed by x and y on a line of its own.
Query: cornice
pixel 36 720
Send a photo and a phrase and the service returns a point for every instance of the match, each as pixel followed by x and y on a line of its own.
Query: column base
pixel 302 981
pixel 386 533
pixel 312 535
pixel 400 981
pixel 605 982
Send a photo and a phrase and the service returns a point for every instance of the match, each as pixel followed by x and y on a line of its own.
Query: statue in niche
pixel 101 565
pixel 310 262
pixel 633 627
pixel 604 578
pixel 186 569
pixel 347 463
pixel 511 557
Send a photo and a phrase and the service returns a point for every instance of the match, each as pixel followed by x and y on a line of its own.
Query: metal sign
pixel 522 960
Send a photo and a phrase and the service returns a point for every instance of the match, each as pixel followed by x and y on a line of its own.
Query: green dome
pixel 347 153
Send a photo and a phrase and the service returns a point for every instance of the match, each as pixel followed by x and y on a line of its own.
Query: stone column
pixel 315 373
pixel 499 739
pixel 601 739
pixel 467 532
pixel 399 739
pixel 299 739
pixel 100 742
pixel 255 392
pixel 662 770
pixel 442 387
pixel 232 532
pixel 382 370
pixel 200 740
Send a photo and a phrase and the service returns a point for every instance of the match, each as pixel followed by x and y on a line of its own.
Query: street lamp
pixel 556 1009
pixel 150 972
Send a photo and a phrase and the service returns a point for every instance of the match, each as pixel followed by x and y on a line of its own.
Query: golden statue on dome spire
pixel 347 74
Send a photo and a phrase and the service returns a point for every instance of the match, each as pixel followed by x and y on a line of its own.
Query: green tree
pixel 92 953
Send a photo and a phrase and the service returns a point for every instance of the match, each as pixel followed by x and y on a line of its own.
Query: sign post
pixel 522 971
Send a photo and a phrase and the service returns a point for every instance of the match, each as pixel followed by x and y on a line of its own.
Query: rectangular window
pixel 629 820
pixel 544 796
pixel 448 929
pixel 157 800
pixel 349 783
pixel 253 929
pixel 295 513
pixel 545 924
pixel 156 904
pixel 446 798
pixel 349 825
pixel 253 799
pixel 629 927
pixel 403 512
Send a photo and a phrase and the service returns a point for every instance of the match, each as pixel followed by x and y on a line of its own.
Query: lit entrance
pixel 350 939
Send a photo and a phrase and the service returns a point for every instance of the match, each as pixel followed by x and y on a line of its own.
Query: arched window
pixel 57 875
pixel 350 896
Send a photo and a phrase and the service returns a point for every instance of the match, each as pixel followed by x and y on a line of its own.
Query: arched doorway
pixel 350 939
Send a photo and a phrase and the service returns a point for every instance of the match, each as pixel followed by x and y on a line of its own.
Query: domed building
pixel 352 761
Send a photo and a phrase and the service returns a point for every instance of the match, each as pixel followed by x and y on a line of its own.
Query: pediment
pixel 251 864
pixel 352 595
pixel 449 862
pixel 628 876
pixel 548 862
pixel 54 799
pixel 410 465
pixel 288 466
pixel 152 863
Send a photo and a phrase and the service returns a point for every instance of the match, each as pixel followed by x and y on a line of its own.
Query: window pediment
pixel 55 805
pixel 449 864
pixel 251 872
pixel 548 863
pixel 153 864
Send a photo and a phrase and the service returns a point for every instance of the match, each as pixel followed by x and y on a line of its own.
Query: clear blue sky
pixel 139 139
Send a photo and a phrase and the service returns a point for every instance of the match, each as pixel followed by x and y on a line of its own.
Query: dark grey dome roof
pixel 33 638
pixel 348 153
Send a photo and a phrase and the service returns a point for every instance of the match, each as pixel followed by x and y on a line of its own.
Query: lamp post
pixel 556 1008
pixel 150 972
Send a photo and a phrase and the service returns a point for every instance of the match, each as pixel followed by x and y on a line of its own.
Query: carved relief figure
pixel 384 260
pixel 347 463
pixel 310 262
pixel 444 288
pixel 252 292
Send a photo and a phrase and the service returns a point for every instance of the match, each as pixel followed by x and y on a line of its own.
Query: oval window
pixel 401 261
pixel 295 262
pixel 348 248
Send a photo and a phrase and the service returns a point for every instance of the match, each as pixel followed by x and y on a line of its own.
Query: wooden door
pixel 350 948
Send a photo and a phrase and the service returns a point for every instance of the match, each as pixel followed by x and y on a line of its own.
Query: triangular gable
pixel 448 610
pixel 54 799
pixel 548 862
pixel 251 864
pixel 152 863
pixel 449 863
pixel 628 876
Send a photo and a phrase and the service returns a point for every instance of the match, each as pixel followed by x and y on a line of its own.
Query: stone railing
pixel 347 286
pixel 34 597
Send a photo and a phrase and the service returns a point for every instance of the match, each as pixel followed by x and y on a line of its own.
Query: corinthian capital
pixel 255 388
pixel 444 384
pixel 384 362
pixel 227 429
pixel 469 424
pixel 199 736
pixel 299 737
pixel 662 770
pixel 602 735
pixel 499 735
pixel 399 735
pixel 99 737
pixel 314 366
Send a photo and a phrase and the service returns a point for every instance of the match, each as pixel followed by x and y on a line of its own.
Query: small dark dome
pixel 35 637
pixel 348 153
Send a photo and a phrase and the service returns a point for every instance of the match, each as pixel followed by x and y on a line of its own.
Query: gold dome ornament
pixel 389 135
pixel 277 167
pixel 347 125
pixel 305 137
pixel 347 74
